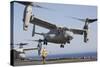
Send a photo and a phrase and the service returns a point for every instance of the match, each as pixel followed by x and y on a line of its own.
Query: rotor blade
pixel 22 44
pixel 92 20
pixel 36 40
pixel 24 2
pixel 38 6
pixel 30 49
pixel 30 3
pixel 83 20
pixel 33 40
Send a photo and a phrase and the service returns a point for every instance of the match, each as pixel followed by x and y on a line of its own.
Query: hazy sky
pixel 57 14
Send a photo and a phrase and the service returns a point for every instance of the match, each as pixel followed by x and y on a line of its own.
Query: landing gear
pixel 68 41
pixel 86 40
pixel 61 46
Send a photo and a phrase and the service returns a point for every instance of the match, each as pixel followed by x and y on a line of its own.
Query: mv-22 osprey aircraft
pixel 58 35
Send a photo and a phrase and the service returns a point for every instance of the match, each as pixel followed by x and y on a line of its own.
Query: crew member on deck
pixel 43 55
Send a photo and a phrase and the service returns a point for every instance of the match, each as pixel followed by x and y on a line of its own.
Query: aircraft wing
pixel 77 31
pixel 43 23
pixel 30 49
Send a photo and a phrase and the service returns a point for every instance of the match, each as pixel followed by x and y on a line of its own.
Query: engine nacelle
pixel 27 16
pixel 86 36
pixel 85 33
pixel 33 32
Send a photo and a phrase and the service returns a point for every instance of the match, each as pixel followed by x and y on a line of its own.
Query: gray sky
pixel 58 15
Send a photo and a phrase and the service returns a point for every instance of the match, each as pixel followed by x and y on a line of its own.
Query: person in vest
pixel 43 55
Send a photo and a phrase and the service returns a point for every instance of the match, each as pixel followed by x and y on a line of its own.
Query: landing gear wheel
pixel 45 43
pixel 87 39
pixel 61 46
pixel 68 41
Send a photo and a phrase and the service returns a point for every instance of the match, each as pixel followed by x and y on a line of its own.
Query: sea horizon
pixel 74 55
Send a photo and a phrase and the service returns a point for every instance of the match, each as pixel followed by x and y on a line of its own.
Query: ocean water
pixel 77 55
